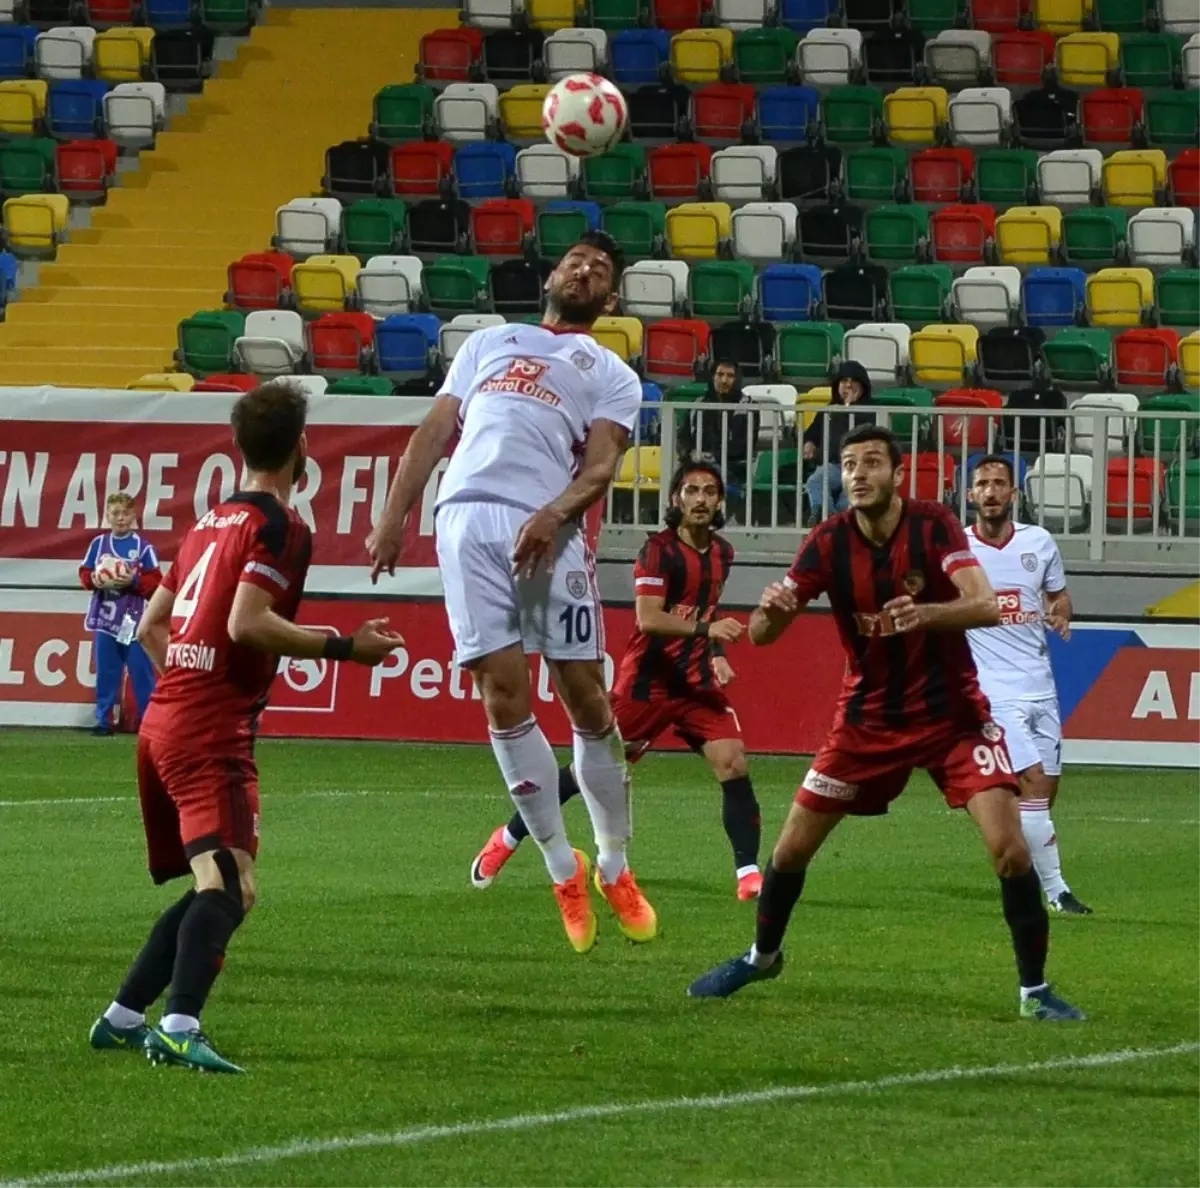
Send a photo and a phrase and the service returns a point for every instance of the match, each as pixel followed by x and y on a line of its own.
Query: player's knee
pixel 1010 856
pixel 730 764
pixel 1035 783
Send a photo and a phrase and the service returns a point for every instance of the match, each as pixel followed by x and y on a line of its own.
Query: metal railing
pixel 1093 476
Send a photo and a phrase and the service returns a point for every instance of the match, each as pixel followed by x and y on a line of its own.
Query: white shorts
pixel 1033 733
pixel 557 613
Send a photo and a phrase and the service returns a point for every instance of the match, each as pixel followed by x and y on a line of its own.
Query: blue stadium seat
pixel 589 210
pixel 9 266
pixel 404 342
pixel 801 16
pixel 168 14
pixel 1022 467
pixel 1053 296
pixel 789 292
pixel 75 109
pixel 651 399
pixel 16 50
pixel 784 113
pixel 484 169
pixel 636 56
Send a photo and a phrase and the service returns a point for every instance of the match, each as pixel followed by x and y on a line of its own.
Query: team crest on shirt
pixel 992 732
pixel 914 582
pixel 577 583
pixel 1029 561
pixel 583 360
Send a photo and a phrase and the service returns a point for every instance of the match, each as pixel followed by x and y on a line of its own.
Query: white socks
pixel 179 1023
pixel 1039 833
pixel 530 772
pixel 743 871
pixel 761 960
pixel 123 1018
pixel 604 781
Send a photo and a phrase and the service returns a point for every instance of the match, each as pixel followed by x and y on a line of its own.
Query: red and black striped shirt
pixel 690 582
pixel 894 682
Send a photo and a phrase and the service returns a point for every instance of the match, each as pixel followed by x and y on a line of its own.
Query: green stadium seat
pixel 851 115
pixel 764 55
pixel 900 425
pixel 1173 117
pixel 640 228
pixel 1183 494
pixel 206 340
pixel 26 166
pixel 403 111
pixel 1150 59
pixel 1006 177
pixel 227 16
pixel 456 284
pixel 805 350
pixel 897 232
pixel 721 288
pixel 557 230
pixel 684 394
pixel 1093 235
pixel 919 292
pixel 375 227
pixel 1169 432
pixel 1177 295
pixel 619 173
pixel 933 16
pixel 361 385
pixel 613 15
pixel 875 174
pixel 1077 356
pixel 1124 16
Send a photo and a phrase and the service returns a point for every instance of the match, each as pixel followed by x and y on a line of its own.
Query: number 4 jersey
pixel 212 689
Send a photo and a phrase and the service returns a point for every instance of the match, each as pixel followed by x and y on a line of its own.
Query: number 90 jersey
pixel 212 689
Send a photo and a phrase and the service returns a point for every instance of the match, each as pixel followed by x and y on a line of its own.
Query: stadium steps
pixel 206 194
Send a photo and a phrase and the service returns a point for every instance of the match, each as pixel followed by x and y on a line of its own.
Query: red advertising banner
pixel 63 453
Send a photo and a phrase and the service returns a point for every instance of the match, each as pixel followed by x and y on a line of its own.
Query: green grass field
pixel 400 1027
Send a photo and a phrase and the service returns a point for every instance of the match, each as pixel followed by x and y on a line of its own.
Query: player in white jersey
pixel 1025 568
pixel 544 414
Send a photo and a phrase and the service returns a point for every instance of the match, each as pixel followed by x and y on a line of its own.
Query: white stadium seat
pixel 575 51
pixel 308 226
pixel 1084 410
pixel 958 56
pixel 881 347
pixel 764 230
pixel 273 343
pixel 744 14
pixel 455 332
pixel 1191 62
pixel 467 111
pixel 389 285
pixel 1068 177
pixel 491 14
pixel 742 173
pixel 980 115
pixel 654 288
pixel 544 171
pixel 987 296
pixel 1059 489
pixel 1162 236
pixel 829 57
pixel 64 53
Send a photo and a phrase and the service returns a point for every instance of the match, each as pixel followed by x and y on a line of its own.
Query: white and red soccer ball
pixel 584 115
pixel 110 569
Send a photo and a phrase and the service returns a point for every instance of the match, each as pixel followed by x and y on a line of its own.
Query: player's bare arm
pixel 654 619
pixel 776 609
pixel 253 622
pixel 975 606
pixel 1059 612
pixel 606 442
pixel 425 451
pixel 155 628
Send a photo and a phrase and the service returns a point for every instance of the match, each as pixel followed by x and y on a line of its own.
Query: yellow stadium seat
pixel 1189 359
pixel 1061 16
pixel 808 402
pixel 549 15
pixel 118 55
pixel 34 223
pixel 1117 296
pixel 940 354
pixel 22 102
pixel 696 229
pixel 1085 59
pixel 322 284
pixel 521 110
pixel 164 381
pixel 641 467
pixel 1132 177
pixel 697 55
pixel 914 114
pixel 1028 234
pixel 622 336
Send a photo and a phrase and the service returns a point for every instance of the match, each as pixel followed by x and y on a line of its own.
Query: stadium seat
pixel 259 280
pixel 611 15
pixel 341 343
pixel 561 223
pixel 206 341
pixel 805 352
pixel 1118 429
pixel 324 283
pixel 26 166
pixel 1079 358
pixel 875 174
pixel 1183 496
pixel 1070 177
pixel 974 429
pixel 308 227
pixel 851 115
pixel 675 350
pixel 912 430
pixel 1119 296
pixel 1047 118
pixel 575 51
pixel 640 228
pixel 1061 16
pixel 544 171
pixel 1191 62
pixel 808 172
pixel 463 111
pixel 163 381
pixel 699 55
pixel 502 226
pixel 361 385
pixel 355 169
pixel 22 106
pixel 678 171
pixel 521 111
pixel 1178 297
pixel 723 111
pixel 181 58
pixel 940 354
pixel 962 234
pixel 893 57
pixel 803 16
pixel 456 284
pixel 622 336
pixel 1172 117
pixel 85 169
pixel 696 230
pixel 34 224
pixel 744 173
pixel 516 288
pixel 1165 438
pixel 272 343
pixel 830 57
pixel 958 57
pixel 935 16
pixel 980 116
pixel 75 109
pixel 1189 360
pixel 511 55
pixel 166 15
pixel 1162 237
pixel 882 348
pixel 785 114
pixel 1093 235
pixel 619 173
pixel 638 56
pixel 1184 174
pixel 421 168
pixel 721 289
pixel 16 50
pixel 374 227
pixel 226 382
pixel 455 332
pixel 550 15
pixel 1053 296
pixel 1145 357
pixel 1123 16
pixel 1020 56
pixel 749 345
pixel 641 470
pixel 833 232
pixel 808 403
pixel 1087 59
pixel 406 345
pixel 1006 177
pixel 854 293
pixel 449 55
pixel 915 115
pixel 654 288
pixel 987 296
pixel 764 230
pixel 789 292
pixel 1028 234
pixel 122 54
pixel 763 56
pixel 1059 489
pixel 484 170
pixel 389 285
pixel 1009 356
pixel 919 293
pixel 941 174
pixel 1137 490
pixel 895 232
pixel 405 112
pixel 744 14
pixel 1149 59
pixel 1111 116
pixel 678 15
pixel 134 112
pixel 64 53
pixel 999 16
pixel 930 477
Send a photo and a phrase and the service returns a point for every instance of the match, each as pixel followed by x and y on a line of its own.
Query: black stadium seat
pixel 1047 118
pixel 748 345
pixel 656 113
pixel 1042 397
pixel 509 54
pixel 1009 355
pixel 181 59
pixel 438 226
pixel 855 293
pixel 807 173
pixel 869 14
pixel 830 233
pixel 893 58
pixel 356 169
pixel 517 286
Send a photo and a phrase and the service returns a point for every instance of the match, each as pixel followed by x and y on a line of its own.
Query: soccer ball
pixel 584 115
pixel 110 569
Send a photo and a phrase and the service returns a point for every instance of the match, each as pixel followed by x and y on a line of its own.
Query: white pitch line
pixel 411 1137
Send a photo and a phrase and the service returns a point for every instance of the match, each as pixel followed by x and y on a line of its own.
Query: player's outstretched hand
pixel 535 542
pixel 384 546
pixel 722 670
pixel 906 614
pixel 374 643
pixel 778 596
pixel 1060 625
pixel 726 630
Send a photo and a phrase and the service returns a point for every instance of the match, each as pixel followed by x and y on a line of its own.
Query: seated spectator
pixel 823 440
pixel 728 438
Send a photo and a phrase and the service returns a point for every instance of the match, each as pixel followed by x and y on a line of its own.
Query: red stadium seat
pixel 1109 115
pixel 500 226
pixel 1134 484
pixel 1184 175
pixel 934 476
pixel 447 55
pixel 421 167
pixel 259 280
pixel 999 16
pixel 720 110
pixel 1143 356
pixel 341 341
pixel 231 382
pixel 85 167
pixel 1019 57
pixel 960 233
pixel 109 12
pixel 939 174
pixel 677 15
pixel 674 348
pixel 676 170
pixel 970 430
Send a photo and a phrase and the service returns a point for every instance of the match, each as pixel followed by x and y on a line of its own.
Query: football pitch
pixel 400 1027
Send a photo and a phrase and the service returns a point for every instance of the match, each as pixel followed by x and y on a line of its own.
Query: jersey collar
pixel 997 545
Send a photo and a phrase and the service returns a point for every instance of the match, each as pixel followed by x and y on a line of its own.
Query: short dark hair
pixel 730 363
pixel 997 460
pixel 869 432
pixel 602 241
pixel 268 422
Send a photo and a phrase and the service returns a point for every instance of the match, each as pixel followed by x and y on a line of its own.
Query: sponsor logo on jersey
pixel 198 656
pixel 577 583
pixel 210 519
pixel 914 582
pixel 1029 561
pixel 583 360
pixel 522 380
pixel 1011 614
pixel 827 786
pixel 992 732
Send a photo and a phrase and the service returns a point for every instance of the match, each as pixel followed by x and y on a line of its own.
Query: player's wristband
pixel 701 628
pixel 338 647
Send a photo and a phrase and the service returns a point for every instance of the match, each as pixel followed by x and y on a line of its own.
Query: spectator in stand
pixel 121 569
pixel 728 438
pixel 823 440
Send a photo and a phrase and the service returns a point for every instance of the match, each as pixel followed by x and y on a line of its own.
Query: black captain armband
pixel 701 628
pixel 338 647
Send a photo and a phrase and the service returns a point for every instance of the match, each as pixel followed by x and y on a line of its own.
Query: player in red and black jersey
pixel 674 671
pixel 904 587
pixel 215 630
